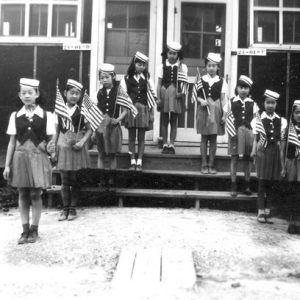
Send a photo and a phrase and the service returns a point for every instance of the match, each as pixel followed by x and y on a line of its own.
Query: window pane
pixel 266 2
pixel 116 15
pixel 38 20
pixel 291 27
pixel 291 3
pixel 191 17
pixel 191 44
pixel 12 20
pixel 210 44
pixel 115 43
pixel 139 15
pixel 138 41
pixel 266 27
pixel 64 20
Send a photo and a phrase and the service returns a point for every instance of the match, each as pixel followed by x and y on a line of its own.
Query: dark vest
pixel 169 75
pixel 213 91
pixel 291 150
pixel 106 102
pixel 243 114
pixel 273 129
pixel 33 129
pixel 75 120
pixel 137 91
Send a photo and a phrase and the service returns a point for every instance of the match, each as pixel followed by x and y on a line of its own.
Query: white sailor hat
pixel 214 57
pixel 174 46
pixel 107 68
pixel 75 84
pixel 30 82
pixel 141 56
pixel 245 80
pixel 296 103
pixel 271 94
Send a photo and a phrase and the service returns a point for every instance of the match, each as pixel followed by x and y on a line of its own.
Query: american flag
pixel 196 87
pixel 124 100
pixel 183 81
pixel 261 130
pixel 230 124
pixel 91 112
pixel 293 139
pixel 61 110
pixel 151 95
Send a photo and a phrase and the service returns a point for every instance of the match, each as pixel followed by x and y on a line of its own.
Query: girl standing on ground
pixel 27 166
pixel 136 83
pixel 210 112
pixel 269 130
pixel 292 165
pixel 109 133
pixel 171 99
pixel 241 111
pixel 72 152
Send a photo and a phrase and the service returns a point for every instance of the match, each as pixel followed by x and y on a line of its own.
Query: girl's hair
pixel 131 71
pixel 237 85
pixel 293 109
pixel 164 54
pixel 113 76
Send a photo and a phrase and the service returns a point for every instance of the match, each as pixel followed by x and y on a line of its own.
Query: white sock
pixel 267 211
pixel 261 211
pixel 171 146
pixel 139 162
pixel 133 161
pixel 165 145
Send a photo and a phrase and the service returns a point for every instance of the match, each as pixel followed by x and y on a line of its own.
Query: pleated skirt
pixel 170 102
pixel 293 169
pixel 69 159
pixel 242 143
pixel 109 137
pixel 268 166
pixel 208 124
pixel 142 120
pixel 31 167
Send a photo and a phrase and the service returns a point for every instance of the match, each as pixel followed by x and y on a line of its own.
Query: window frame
pixel 280 10
pixel 46 39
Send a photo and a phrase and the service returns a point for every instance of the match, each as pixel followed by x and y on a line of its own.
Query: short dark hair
pixel 164 54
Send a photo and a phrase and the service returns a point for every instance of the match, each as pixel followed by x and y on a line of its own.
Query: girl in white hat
pixel 137 83
pixel 210 111
pixel 291 150
pixel 269 130
pixel 171 99
pixel 72 149
pixel 27 166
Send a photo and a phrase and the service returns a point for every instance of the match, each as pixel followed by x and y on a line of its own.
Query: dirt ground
pixel 235 257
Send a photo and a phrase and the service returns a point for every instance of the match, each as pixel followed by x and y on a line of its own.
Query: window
pixel 64 20
pixel 12 19
pixel 38 20
pixel 127 29
pixel 276 21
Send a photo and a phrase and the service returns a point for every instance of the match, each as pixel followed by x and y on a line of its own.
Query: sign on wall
pixel 252 51
pixel 77 47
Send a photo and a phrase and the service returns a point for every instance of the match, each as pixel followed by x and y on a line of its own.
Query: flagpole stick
pixel 208 111
pixel 287 140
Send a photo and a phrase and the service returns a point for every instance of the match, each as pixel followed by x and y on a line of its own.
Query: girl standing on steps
pixel 136 83
pixel 210 112
pixel 269 130
pixel 291 149
pixel 241 111
pixel 170 96
pixel 27 166
pixel 72 152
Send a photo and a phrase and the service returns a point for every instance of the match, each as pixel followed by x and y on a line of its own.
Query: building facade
pixel 49 39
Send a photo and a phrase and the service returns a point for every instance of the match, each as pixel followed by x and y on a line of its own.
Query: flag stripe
pixel 230 124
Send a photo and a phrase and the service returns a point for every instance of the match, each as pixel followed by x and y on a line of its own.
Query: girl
pixel 241 111
pixel 268 130
pixel 292 163
pixel 72 152
pixel 109 133
pixel 136 85
pixel 27 166
pixel 210 115
pixel 171 100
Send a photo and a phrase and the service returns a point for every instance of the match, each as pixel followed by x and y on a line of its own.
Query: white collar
pixel 209 79
pixel 37 111
pixel 264 115
pixel 172 65
pixel 237 98
pixel 72 109
pixel 138 76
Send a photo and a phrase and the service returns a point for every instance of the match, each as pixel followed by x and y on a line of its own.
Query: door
pixel 201 29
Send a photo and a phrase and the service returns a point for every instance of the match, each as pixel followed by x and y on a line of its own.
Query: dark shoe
pixel 268 218
pixel 24 238
pixel 233 189
pixel 212 170
pixel 171 150
pixel 63 215
pixel 132 167
pixel 72 214
pixel 32 236
pixel 292 229
pixel 204 170
pixel 261 218
pixel 138 168
pixel 165 150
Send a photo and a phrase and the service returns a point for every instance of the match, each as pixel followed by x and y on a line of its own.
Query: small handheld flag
pixel 124 100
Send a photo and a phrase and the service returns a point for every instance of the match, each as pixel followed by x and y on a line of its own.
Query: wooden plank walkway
pixel 154 267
